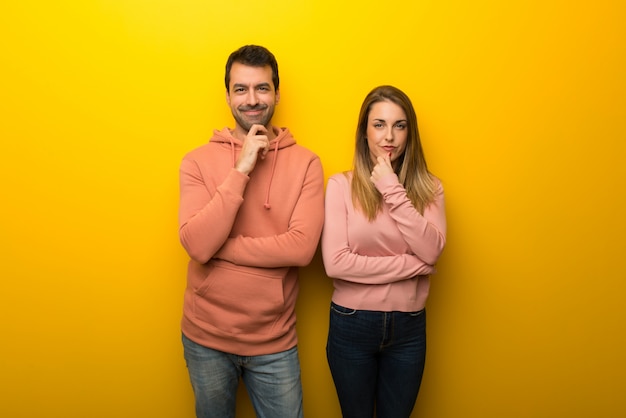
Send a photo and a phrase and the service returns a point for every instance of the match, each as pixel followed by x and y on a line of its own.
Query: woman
pixel 384 231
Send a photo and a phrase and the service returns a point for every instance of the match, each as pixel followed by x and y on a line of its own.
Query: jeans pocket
pixel 417 313
pixel 341 310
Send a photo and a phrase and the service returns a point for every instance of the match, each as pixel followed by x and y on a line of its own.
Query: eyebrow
pixel 256 86
pixel 383 120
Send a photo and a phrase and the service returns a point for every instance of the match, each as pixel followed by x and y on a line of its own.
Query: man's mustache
pixel 255 107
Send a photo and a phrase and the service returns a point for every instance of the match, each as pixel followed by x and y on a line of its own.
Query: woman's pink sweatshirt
pixel 246 236
pixel 382 265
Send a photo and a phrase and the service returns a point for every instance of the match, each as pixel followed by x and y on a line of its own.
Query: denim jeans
pixel 376 360
pixel 272 381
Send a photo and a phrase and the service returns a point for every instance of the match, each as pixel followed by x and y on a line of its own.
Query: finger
pixel 385 159
pixel 265 150
pixel 257 129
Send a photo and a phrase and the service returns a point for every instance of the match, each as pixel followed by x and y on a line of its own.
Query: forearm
pixel 343 261
pixel 424 234
pixel 297 245
pixel 206 220
pixel 294 248
pixel 356 268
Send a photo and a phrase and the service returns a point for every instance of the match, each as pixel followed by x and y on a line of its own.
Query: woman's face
pixel 387 130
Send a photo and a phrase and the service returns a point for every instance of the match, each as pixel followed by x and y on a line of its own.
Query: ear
pixel 227 98
pixel 277 96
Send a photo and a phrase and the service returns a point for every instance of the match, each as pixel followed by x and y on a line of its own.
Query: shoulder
pixel 298 159
pixel 343 177
pixel 289 144
pixel 438 194
pixel 199 153
pixel 438 185
pixel 340 180
pixel 208 158
pixel 302 152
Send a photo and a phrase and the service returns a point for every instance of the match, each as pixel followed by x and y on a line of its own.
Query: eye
pixel 401 126
pixel 239 90
pixel 378 125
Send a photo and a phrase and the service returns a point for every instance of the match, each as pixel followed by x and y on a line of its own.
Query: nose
pixel 389 134
pixel 251 98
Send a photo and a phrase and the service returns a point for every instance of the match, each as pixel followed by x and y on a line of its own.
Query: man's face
pixel 251 96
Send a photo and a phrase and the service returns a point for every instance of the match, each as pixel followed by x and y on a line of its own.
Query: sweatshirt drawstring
pixel 266 205
pixel 232 151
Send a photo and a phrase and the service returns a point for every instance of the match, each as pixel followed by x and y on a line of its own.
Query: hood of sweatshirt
pixel 282 140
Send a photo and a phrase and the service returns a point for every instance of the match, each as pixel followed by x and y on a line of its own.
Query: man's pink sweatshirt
pixel 246 237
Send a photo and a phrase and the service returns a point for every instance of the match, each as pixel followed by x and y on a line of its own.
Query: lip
pixel 389 149
pixel 252 111
pixel 253 114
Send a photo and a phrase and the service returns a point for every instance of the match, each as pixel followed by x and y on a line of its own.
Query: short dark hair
pixel 253 56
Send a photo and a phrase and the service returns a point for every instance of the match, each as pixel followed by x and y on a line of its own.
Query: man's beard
pixel 245 124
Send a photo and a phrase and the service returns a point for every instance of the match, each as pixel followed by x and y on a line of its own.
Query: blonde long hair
pixel 410 167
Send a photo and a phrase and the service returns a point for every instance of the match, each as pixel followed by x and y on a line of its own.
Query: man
pixel 251 212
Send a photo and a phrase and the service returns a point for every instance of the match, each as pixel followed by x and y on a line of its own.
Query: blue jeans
pixel 273 382
pixel 376 360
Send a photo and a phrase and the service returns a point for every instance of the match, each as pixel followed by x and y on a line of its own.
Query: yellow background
pixel 522 108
